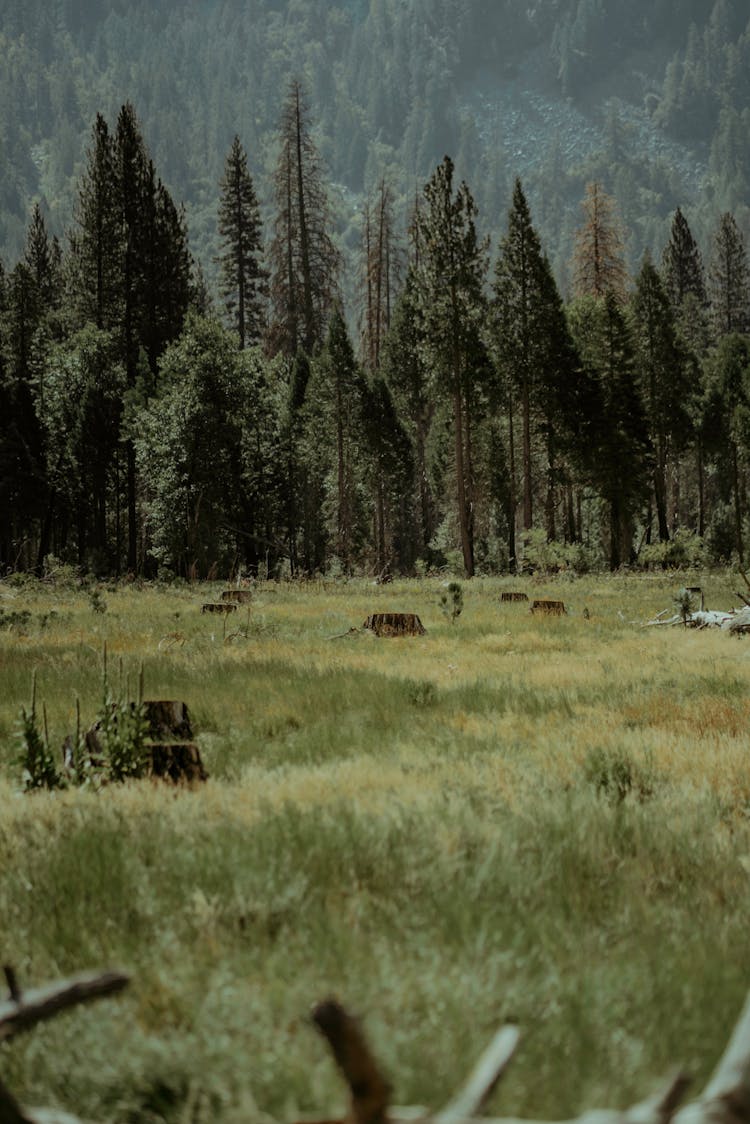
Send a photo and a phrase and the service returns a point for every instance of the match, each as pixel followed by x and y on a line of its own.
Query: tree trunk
pixel 463 515
pixel 512 561
pixel 737 503
pixel 660 494
pixel 527 498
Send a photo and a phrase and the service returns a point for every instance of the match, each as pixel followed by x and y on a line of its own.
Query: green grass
pixel 428 829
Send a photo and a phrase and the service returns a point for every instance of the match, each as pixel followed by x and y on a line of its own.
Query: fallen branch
pixel 25 1009
pixel 725 1100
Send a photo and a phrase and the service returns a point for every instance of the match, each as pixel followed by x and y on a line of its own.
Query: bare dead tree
pixel 304 261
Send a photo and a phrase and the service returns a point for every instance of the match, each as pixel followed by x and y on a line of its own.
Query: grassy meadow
pixel 513 817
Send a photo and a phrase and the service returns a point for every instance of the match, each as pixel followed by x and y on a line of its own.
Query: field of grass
pixel 512 817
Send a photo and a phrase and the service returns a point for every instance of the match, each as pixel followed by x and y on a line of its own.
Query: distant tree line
pixel 395 86
pixel 473 418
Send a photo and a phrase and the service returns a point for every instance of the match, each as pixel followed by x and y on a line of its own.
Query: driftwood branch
pixel 725 1100
pixel 487 1072
pixel 32 1007
pixel 368 1088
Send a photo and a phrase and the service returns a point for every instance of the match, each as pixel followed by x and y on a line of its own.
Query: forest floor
pixel 514 816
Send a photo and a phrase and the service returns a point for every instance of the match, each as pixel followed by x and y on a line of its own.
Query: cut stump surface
pixel 395 624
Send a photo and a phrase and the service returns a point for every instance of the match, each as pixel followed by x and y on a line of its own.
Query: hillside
pixel 653 100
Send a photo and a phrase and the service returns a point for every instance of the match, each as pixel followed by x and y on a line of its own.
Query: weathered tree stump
pixel 178 761
pixel 167 718
pixel 514 596
pixel 395 624
pixel 241 596
pixel 219 607
pixel 552 608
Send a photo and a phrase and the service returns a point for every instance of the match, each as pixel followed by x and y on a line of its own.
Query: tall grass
pixel 508 818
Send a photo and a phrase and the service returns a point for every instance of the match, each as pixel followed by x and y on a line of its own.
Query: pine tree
pixel 304 261
pixel 662 370
pixel 243 278
pixel 378 269
pixel 598 263
pixel 335 421
pixel 682 265
pixel 97 240
pixel 535 355
pixel 153 278
pixel 405 367
pixel 450 280
pixel 729 279
pixel 621 455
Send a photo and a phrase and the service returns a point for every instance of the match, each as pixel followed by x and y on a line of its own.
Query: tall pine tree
pixel 242 276
pixel 304 261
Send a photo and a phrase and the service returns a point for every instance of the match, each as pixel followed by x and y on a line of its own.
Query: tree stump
pixel 552 608
pixel 177 761
pixel 514 596
pixel 241 596
pixel 167 718
pixel 219 607
pixel 395 624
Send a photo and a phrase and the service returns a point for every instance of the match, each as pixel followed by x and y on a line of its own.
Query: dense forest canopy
pixel 252 315
pixel 559 92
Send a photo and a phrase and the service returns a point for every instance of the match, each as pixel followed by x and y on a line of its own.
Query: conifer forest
pixel 292 287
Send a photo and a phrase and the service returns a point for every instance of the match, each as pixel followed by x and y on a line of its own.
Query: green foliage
pixel 452 601
pixel 685 550
pixel 615 775
pixel 121 729
pixel 38 769
pixel 549 556
pixel 685 604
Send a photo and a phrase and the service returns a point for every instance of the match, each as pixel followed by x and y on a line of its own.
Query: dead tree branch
pixel 23 1010
pixel 725 1100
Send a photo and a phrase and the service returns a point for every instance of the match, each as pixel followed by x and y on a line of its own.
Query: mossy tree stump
pixel 395 624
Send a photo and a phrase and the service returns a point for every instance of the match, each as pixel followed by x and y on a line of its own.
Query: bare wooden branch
pixel 12 982
pixel 369 1089
pixel 45 1002
pixel 487 1072
pixel 10 1110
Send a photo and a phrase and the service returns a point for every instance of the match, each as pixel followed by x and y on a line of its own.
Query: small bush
pixel 38 768
pixel 452 601
pixel 615 775
pixel 685 551
pixel 17 620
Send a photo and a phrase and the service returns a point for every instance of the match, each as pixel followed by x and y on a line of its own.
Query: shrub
pixel 615 775
pixel 685 551
pixel 37 764
pixel 452 601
